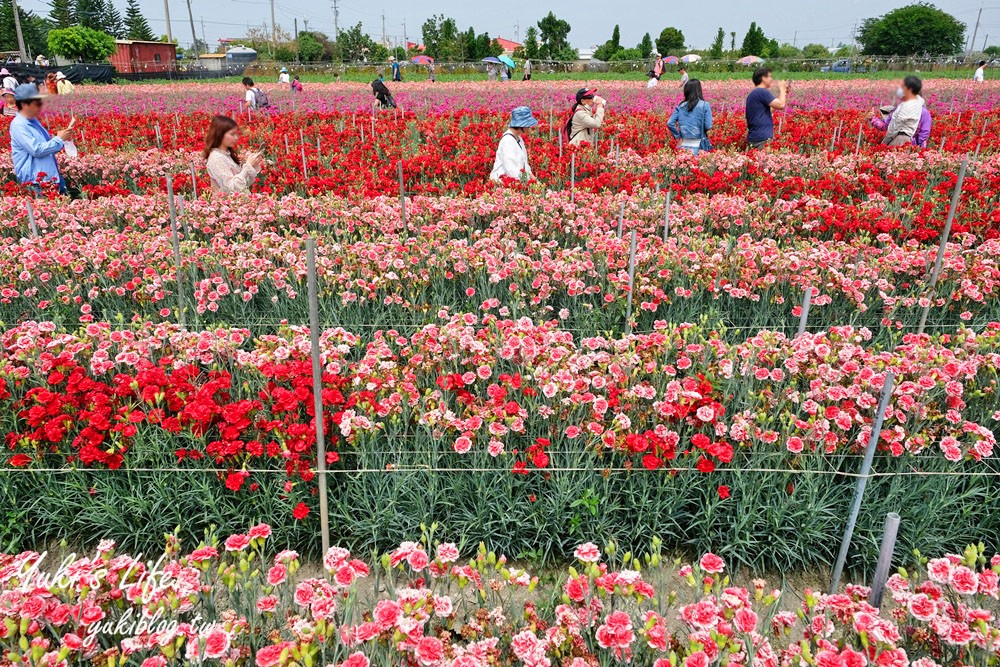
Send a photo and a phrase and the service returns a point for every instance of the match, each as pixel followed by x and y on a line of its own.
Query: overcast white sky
pixel 798 21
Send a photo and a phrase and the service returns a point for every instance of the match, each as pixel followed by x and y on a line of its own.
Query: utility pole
pixel 972 42
pixel 298 59
pixel 985 39
pixel 274 31
pixel 795 39
pixel 406 40
pixel 20 35
pixel 203 38
pixel 517 32
pixel 385 42
pixel 194 35
pixel 166 12
pixel 336 21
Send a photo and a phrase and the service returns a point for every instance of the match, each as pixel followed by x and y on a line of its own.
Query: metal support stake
pixel 34 227
pixel 317 372
pixel 859 491
pixel 621 219
pixel 804 315
pixel 175 241
pixel 666 215
pixel 884 559
pixel 194 182
pixel 945 233
pixel 402 198
pixel 572 178
pixel 631 285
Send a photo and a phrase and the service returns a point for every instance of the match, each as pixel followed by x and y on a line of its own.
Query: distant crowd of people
pixel 906 122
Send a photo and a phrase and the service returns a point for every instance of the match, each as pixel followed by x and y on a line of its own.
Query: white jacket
pixel 905 118
pixel 512 158
pixel 227 176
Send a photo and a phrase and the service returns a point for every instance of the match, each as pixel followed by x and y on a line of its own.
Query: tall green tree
pixel 815 52
pixel 441 38
pixel 914 29
pixel 112 20
pixel 34 28
pixel 669 41
pixel 531 48
pixel 310 48
pixel 754 42
pixel 719 45
pixel 90 14
pixel 62 13
pixel 610 48
pixel 81 44
pixel 136 25
pixel 554 34
pixel 355 45
pixel 645 46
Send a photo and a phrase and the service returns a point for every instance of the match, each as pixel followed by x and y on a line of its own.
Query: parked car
pixel 843 66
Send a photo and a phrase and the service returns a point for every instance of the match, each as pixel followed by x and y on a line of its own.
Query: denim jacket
pixel 684 124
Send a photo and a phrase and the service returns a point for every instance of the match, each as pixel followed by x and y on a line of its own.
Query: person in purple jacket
pixel 884 115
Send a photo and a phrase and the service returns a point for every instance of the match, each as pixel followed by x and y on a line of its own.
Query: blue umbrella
pixel 507 61
pixel 491 59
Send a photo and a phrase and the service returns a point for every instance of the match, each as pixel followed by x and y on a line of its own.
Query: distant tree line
pixel 86 29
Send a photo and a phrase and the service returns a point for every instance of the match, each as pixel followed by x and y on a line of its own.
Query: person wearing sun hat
pixel 9 81
pixel 512 156
pixel 283 76
pixel 9 106
pixel 63 85
pixel 33 150
pixel 586 117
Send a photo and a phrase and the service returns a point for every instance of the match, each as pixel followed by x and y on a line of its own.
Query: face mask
pixel 899 92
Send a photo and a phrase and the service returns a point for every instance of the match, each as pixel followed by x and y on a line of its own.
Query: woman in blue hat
pixel 512 156
pixel 283 77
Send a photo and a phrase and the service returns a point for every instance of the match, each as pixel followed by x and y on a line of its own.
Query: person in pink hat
pixel 587 117
pixel 9 81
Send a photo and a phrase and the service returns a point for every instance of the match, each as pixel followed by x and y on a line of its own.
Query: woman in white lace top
pixel 228 172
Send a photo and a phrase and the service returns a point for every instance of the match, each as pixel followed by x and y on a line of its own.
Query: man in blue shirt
pixel 760 101
pixel 32 148
pixel 397 74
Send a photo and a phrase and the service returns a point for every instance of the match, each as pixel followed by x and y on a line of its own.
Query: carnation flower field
pixel 488 364
pixel 243 602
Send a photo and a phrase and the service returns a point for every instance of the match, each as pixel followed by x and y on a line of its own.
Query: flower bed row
pixel 537 414
pixel 238 602
pixel 243 262
pixel 453 152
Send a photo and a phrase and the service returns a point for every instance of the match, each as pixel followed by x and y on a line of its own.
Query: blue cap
pixel 27 91
pixel 521 117
pixel 284 70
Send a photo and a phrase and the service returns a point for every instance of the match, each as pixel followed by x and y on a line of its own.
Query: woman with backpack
pixel 229 173
pixel 586 117
pixel 692 119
